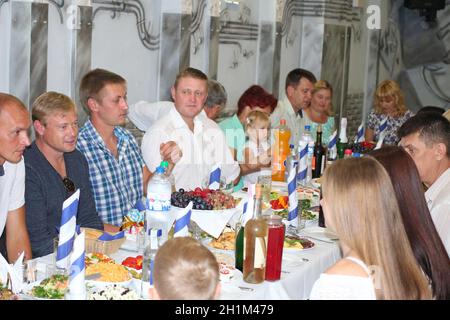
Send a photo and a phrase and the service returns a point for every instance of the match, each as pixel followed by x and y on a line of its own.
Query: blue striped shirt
pixel 117 184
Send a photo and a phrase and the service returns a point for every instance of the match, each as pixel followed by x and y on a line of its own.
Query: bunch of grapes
pixel 203 199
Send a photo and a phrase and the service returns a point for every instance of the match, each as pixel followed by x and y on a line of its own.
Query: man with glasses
pixel 116 168
pixel 54 171
pixel 14 123
pixel 186 138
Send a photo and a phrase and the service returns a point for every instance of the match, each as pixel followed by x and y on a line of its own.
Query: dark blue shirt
pixel 45 194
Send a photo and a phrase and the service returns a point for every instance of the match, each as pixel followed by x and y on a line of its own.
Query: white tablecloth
pixel 299 270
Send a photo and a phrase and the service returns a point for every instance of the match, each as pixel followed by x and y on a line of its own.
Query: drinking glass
pixel 55 269
pixel 29 271
pixel 265 179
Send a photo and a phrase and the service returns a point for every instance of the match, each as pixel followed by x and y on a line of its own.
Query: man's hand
pixel 170 152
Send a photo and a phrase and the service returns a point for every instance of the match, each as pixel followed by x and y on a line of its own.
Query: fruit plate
pixel 204 199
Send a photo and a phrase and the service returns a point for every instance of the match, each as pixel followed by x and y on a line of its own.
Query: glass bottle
pixel 343 140
pixel 275 243
pixel 321 216
pixel 239 247
pixel 255 244
pixel 318 161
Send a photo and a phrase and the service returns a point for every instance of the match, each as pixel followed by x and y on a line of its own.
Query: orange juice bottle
pixel 280 151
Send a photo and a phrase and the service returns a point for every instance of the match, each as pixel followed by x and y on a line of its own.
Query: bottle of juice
pixel 255 244
pixel 275 243
pixel 280 151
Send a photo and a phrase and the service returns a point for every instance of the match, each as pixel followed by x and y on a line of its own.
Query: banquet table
pixel 300 269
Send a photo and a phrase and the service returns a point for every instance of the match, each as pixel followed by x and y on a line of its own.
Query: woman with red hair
pixel 254 98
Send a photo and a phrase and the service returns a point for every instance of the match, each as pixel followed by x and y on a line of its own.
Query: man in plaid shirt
pixel 117 171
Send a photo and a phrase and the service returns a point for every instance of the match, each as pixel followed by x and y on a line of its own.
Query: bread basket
pixel 92 244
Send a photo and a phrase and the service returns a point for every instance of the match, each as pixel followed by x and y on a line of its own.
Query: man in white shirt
pixel 191 142
pixel 426 137
pixel 14 123
pixel 299 87
pixel 144 114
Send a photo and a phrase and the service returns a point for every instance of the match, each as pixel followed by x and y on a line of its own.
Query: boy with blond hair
pixel 185 270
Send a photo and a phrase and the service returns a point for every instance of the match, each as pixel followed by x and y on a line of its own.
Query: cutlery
pixel 317 239
pixel 246 288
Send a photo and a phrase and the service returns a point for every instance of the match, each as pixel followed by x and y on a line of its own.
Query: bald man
pixel 14 123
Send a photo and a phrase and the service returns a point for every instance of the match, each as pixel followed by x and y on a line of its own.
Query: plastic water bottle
pixel 159 191
pixel 308 139
pixel 170 175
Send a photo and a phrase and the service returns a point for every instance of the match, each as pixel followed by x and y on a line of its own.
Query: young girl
pixel 378 261
pixel 257 148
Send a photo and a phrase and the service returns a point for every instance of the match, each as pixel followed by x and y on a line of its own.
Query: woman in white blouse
pixel 359 205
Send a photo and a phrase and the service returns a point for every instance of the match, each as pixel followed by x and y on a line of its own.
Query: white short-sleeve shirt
pixel 438 200
pixel 344 287
pixel 12 190
pixel 201 149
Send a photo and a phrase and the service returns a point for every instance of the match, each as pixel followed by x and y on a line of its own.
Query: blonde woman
pixel 378 261
pixel 320 111
pixel 257 148
pixel 388 104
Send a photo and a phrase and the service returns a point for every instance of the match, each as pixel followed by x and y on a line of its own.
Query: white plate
pixel 279 186
pixel 303 249
pixel 207 243
pixel 315 182
pixel 26 292
pixel 103 284
pixel 235 273
pixel 319 233
pixel 92 291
